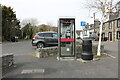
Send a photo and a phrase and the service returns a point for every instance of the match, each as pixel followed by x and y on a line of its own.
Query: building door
pixel 118 34
pixel 103 36
pixel 110 36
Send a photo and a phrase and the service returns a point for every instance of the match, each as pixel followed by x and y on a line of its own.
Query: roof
pixel 113 19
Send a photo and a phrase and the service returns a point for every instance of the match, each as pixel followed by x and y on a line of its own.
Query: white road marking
pixel 27 71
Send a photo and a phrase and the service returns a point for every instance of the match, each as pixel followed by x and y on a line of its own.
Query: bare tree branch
pixel 32 21
pixel 102 6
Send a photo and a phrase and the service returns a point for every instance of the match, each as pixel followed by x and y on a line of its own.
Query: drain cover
pixel 27 71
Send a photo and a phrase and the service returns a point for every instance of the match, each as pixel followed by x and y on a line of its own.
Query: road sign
pixel 83 23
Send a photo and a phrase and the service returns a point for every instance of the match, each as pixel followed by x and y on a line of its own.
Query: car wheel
pixel 40 45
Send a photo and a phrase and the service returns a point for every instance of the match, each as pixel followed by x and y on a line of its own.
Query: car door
pixel 55 38
pixel 48 38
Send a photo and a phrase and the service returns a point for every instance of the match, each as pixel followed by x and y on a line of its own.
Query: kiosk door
pixel 67 37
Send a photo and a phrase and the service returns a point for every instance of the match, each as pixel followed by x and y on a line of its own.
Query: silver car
pixel 43 39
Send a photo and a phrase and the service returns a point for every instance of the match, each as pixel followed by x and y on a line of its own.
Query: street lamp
pixel 94 20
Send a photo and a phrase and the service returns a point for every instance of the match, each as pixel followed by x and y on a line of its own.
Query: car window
pixel 47 35
pixel 55 35
pixel 40 34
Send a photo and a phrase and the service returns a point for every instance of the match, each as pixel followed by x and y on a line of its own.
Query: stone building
pixel 111 28
pixel 94 28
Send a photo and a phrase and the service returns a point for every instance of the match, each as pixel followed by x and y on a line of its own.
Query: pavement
pixel 26 64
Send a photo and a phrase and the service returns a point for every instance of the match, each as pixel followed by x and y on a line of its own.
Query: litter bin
pixel 87 49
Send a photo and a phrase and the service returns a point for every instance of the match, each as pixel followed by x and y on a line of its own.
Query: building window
pixel 110 25
pixel 118 34
pixel 103 26
pixel 110 36
pixel 118 23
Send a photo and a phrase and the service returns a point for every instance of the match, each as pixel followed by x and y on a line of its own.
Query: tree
pixel 10 24
pixel 25 30
pixel 32 21
pixel 102 6
pixel 43 27
pixel 50 24
pixel 28 31
pixel 29 27
pixel 0 23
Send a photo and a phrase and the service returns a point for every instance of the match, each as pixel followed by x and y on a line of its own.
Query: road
pixel 106 67
pixel 111 48
pixel 18 48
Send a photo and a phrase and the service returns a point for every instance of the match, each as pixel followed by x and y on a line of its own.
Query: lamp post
pixel 94 21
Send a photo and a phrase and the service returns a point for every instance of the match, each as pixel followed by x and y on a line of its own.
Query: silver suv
pixel 43 39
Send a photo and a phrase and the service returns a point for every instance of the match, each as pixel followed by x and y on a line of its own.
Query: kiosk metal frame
pixel 66 44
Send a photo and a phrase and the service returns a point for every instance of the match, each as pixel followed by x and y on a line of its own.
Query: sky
pixel 49 11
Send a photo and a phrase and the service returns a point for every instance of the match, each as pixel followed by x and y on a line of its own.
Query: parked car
pixel 14 38
pixel 94 36
pixel 43 39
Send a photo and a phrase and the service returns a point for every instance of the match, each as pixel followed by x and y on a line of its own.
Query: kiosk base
pixel 65 58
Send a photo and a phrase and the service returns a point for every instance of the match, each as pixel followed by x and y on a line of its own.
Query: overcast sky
pixel 49 11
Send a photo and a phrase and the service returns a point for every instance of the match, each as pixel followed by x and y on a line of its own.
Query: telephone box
pixel 66 38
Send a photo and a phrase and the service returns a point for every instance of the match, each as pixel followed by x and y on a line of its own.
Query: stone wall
pixel 94 49
pixel 53 51
pixel 7 61
pixel 45 52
